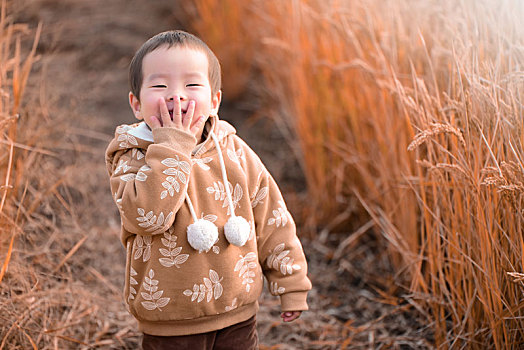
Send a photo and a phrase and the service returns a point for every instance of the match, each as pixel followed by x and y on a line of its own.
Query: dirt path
pixel 86 48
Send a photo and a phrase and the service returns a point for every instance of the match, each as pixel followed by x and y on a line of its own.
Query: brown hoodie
pixel 162 182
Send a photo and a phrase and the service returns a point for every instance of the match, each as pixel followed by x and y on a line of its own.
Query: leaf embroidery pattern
pixel 132 282
pixel 177 171
pixel 118 202
pixel 122 167
pixel 244 266
pixel 236 156
pixel 172 253
pixel 127 177
pixel 275 289
pixel 218 190
pixel 136 152
pixel 211 288
pixel 258 185
pixel 141 175
pixel 142 247
pixel 278 260
pixel 259 197
pixel 233 306
pixel 236 196
pixel 209 217
pixel 151 222
pixel 124 138
pixel 153 299
pixel 281 216
pixel 258 194
pixel 202 162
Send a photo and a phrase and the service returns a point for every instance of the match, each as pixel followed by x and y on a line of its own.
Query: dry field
pixel 394 127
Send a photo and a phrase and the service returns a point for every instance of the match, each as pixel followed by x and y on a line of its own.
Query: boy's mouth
pixel 183 112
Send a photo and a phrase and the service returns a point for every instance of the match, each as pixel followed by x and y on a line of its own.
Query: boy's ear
pixel 215 102
pixel 135 106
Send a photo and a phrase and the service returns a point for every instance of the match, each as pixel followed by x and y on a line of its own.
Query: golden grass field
pixel 415 109
pixel 405 117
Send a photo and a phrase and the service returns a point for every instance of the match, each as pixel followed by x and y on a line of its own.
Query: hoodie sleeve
pixel 150 188
pixel 280 252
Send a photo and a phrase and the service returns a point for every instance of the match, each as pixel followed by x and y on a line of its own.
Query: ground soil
pixel 85 50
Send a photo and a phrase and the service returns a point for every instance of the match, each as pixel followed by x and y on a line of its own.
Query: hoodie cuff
pixel 175 138
pixel 294 301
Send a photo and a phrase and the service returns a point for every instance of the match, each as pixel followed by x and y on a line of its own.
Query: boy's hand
pixel 289 316
pixel 178 121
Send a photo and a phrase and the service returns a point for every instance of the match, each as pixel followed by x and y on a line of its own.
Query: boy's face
pixel 175 71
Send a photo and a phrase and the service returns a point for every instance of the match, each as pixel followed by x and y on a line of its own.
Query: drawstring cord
pixel 224 174
pixel 202 234
pixel 191 209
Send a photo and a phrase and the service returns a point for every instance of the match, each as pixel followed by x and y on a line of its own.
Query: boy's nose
pixel 182 97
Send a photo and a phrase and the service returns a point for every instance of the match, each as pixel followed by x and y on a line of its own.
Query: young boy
pixel 202 219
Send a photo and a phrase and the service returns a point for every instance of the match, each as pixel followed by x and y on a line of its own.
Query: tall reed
pixel 15 67
pixel 416 110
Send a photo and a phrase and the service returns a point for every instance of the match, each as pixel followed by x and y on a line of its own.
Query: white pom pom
pixel 202 234
pixel 237 230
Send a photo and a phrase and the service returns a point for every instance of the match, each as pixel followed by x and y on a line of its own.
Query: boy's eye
pixel 194 85
pixel 159 86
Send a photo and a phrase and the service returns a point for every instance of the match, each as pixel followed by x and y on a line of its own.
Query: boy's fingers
pixel 289 316
pixel 188 118
pixel 177 111
pixel 153 122
pixel 197 125
pixel 164 112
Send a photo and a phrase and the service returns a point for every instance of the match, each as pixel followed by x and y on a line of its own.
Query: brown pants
pixel 240 336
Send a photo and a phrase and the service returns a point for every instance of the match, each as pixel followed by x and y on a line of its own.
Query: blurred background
pixel 395 129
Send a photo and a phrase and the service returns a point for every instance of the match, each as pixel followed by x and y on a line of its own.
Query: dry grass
pixel 415 110
pixel 14 72
pixel 50 296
